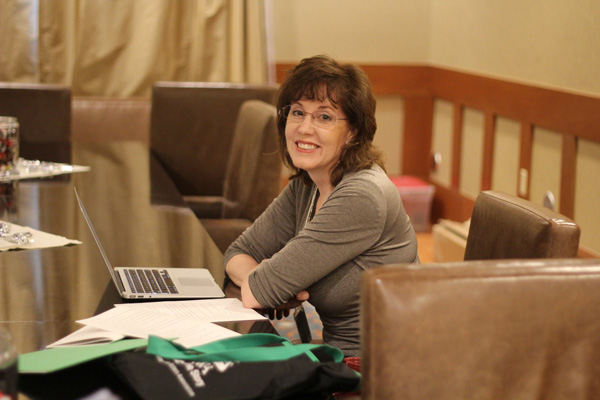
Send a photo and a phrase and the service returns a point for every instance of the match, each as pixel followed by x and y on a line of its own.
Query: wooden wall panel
pixel 418 125
pixel 525 151
pixel 488 150
pixel 564 112
pixel 567 175
pixel 457 131
pixel 575 116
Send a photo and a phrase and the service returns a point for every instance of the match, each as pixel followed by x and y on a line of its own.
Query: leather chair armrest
pixel 494 329
pixel 206 206
pixel 224 231
pixel 110 118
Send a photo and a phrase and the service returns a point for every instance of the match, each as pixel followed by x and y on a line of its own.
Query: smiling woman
pixel 339 215
pixel 315 144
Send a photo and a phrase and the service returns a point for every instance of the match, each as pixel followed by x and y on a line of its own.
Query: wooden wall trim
pixel 418 124
pixel 386 80
pixel 575 116
pixel 568 176
pixel 564 112
pixel 568 113
pixel 488 150
pixel 451 204
pixel 457 131
pixel 525 150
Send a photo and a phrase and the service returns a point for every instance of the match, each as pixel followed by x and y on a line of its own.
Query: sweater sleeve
pixel 348 224
pixel 270 231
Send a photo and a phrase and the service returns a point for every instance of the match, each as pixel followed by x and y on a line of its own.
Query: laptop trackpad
pixel 191 281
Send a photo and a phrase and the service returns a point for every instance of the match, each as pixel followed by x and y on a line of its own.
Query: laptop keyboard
pixel 150 281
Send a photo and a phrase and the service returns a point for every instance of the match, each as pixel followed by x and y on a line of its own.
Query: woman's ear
pixel 351 137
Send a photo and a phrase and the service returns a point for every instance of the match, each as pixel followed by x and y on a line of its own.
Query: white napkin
pixel 39 239
pixel 26 169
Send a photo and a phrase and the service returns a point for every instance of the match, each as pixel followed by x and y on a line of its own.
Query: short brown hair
pixel 346 86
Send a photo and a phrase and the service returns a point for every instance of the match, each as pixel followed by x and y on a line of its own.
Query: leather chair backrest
pixel 254 166
pixel 44 114
pixel 487 330
pixel 505 226
pixel 191 130
pixel 111 118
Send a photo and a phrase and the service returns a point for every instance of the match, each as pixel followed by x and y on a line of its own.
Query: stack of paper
pixel 190 323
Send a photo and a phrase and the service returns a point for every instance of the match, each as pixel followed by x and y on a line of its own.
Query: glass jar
pixel 9 143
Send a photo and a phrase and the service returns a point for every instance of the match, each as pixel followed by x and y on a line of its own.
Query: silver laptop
pixel 157 283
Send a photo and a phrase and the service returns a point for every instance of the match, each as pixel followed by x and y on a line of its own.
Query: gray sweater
pixel 361 225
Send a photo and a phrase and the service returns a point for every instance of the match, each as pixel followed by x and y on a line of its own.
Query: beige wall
pixel 549 43
pixel 388 31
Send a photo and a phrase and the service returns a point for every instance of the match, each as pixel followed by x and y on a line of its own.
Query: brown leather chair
pixel 252 176
pixel 492 329
pixel 44 114
pixel 191 131
pixel 505 226
pixel 458 316
pixel 110 118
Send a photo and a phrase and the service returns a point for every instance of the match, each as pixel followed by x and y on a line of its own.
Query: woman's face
pixel 313 148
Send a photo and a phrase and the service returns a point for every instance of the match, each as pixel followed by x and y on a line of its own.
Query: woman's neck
pixel 325 188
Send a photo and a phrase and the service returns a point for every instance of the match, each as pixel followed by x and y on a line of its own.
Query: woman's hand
pixel 239 268
pixel 283 310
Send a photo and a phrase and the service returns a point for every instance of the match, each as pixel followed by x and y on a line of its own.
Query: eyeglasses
pixel 321 118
